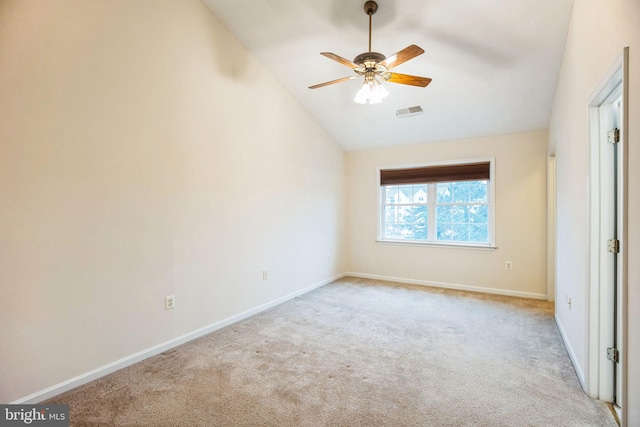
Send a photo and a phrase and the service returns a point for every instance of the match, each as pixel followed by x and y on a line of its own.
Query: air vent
pixel 409 112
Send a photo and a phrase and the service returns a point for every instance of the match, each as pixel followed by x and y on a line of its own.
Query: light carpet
pixel 358 353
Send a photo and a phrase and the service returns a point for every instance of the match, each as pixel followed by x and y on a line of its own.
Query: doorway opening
pixel 551 224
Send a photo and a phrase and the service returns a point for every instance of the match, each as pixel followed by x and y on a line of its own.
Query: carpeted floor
pixel 357 353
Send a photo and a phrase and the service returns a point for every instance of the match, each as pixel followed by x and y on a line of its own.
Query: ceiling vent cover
pixel 409 112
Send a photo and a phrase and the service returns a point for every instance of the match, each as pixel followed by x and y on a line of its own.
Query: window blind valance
pixel 440 173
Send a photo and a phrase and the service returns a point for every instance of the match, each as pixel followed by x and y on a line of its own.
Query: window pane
pixel 453 232
pixel 406 222
pixel 445 231
pixel 459 213
pixel 400 223
pixel 392 229
pixel 478 191
pixel 391 194
pixel 444 192
pixel 478 233
pixel 406 219
pixel 443 214
pixel 460 193
pixel 405 214
pixel 420 193
pixel 404 194
pixel 420 223
pixel 479 214
pixel 461 232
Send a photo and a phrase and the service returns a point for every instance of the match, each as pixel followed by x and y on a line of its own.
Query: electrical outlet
pixel 169 302
pixel 569 302
pixel 265 275
pixel 508 265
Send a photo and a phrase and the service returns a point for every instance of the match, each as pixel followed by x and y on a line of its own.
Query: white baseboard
pixel 450 286
pixel 155 350
pixel 572 354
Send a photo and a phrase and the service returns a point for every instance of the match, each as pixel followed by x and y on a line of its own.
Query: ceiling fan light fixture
pixel 371 92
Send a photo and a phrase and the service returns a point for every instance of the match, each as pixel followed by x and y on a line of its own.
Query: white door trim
pixel 551 223
pixel 599 378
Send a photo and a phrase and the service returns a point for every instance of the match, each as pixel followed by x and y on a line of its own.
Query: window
pixel 444 203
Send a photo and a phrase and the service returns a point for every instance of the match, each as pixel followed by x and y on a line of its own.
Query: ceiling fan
pixel 372 65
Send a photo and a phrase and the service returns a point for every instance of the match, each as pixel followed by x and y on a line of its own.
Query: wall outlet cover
pixel 169 302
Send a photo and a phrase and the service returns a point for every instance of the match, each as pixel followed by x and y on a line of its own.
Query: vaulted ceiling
pixel 494 63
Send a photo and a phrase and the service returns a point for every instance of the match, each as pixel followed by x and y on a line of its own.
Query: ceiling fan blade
pixel 403 56
pixel 339 59
pixel 332 82
pixel 406 79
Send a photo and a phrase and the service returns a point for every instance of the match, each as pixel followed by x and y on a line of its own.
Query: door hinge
pixel 613 354
pixel 614 136
pixel 613 245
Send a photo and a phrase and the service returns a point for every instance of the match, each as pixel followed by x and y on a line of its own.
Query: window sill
pixel 486 247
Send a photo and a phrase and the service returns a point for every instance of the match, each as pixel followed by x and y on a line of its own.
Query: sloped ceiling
pixel 494 63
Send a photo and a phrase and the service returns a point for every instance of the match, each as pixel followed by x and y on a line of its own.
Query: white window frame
pixel 431 200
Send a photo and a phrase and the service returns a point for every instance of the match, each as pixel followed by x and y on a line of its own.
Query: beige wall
pixel 144 152
pixel 520 185
pixel 598 33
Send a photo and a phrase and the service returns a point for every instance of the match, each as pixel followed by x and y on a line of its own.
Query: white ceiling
pixel 494 63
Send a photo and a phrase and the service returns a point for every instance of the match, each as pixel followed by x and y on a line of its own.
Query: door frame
pixel 598 379
pixel 551 223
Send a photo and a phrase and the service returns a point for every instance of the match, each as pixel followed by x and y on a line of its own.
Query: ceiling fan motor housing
pixel 369 59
